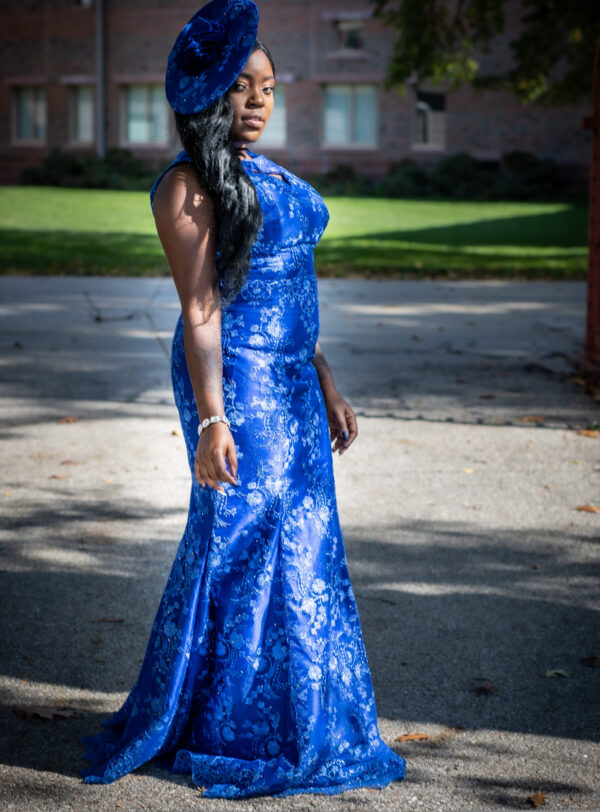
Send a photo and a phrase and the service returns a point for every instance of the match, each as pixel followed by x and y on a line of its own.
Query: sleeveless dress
pixel 255 679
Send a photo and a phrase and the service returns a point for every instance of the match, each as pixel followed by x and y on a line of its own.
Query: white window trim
pixel 15 86
pixel 71 140
pixel 351 146
pixel 281 86
pixel 123 142
pixel 418 146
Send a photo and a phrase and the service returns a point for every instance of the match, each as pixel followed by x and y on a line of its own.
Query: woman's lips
pixel 254 122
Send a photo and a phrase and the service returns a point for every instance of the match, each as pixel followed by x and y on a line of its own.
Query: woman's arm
pixel 323 369
pixel 186 227
pixel 340 415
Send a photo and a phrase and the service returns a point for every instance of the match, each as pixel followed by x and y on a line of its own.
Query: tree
pixel 555 61
pixel 440 40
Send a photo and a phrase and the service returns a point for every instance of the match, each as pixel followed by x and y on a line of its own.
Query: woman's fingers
pixel 231 455
pixel 220 469
pixel 346 428
pixel 210 466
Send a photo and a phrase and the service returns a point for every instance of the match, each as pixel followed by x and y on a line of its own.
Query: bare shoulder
pixel 180 197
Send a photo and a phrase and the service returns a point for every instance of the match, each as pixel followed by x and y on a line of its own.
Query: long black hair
pixel 206 137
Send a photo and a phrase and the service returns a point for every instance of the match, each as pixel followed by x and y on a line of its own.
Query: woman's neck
pixel 241 148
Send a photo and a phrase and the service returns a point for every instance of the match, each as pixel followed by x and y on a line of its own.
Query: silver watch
pixel 216 418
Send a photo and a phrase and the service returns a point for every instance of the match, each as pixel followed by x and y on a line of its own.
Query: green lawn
pixel 96 231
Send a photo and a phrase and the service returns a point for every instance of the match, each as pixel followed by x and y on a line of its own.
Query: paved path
pixel 467 554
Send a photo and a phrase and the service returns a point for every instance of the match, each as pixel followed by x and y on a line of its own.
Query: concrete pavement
pixel 458 503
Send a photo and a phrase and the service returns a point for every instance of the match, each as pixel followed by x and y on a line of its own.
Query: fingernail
pixel 345 434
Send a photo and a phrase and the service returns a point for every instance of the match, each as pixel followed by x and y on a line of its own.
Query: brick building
pixel 88 74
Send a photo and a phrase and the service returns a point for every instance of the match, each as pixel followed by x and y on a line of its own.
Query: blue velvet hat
pixel 209 54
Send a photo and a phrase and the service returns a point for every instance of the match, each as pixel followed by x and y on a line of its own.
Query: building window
pixel 81 114
pixel 429 124
pixel 350 34
pixel 274 134
pixel 350 115
pixel 29 114
pixel 144 118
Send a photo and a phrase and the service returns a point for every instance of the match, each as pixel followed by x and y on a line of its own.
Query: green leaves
pixel 552 46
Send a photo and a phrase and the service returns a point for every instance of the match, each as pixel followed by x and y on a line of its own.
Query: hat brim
pixel 237 24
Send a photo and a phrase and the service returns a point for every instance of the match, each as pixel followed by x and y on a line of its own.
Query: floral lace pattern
pixel 255 679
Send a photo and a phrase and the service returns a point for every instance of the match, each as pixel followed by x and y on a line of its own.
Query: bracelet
pixel 216 418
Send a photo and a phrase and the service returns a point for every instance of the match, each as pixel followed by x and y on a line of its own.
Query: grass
pixel 57 231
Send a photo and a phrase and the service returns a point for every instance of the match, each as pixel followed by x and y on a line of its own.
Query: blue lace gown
pixel 255 679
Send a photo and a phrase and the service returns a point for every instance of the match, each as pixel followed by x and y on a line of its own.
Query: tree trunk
pixel 592 339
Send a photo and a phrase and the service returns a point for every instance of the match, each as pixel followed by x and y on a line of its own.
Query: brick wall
pixel 53 42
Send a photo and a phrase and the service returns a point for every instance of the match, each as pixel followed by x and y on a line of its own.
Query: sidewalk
pixel 458 503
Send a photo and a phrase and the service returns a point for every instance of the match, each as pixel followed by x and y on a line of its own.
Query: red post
pixel 592 339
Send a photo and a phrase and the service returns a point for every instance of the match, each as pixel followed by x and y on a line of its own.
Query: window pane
pixel 365 114
pixel 83 113
pixel 39 130
pixel 274 134
pixel 158 114
pixel 336 128
pixel 137 122
pixel 25 113
pixel 30 111
pixel 430 119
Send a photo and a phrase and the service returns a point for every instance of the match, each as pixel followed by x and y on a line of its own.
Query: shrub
pixel 342 180
pixel 462 176
pixel 404 179
pixel 119 169
pixel 528 177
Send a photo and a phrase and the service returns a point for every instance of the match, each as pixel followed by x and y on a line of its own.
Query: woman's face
pixel 252 98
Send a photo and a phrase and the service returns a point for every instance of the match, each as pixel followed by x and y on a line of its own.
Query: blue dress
pixel 255 679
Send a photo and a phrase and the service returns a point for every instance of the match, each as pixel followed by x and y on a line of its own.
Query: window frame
pixel 72 90
pixel 351 144
pixel 280 87
pixel 428 146
pixel 15 90
pixel 343 28
pixel 124 120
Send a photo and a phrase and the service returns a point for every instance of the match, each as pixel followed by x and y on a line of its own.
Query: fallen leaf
pixel 69 419
pixel 533 418
pixel 59 476
pixel 591 662
pixel 588 433
pixel 69 462
pixel 539 799
pixel 411 737
pixel 108 480
pixel 588 508
pixel 468 470
pixel 176 433
pixel 484 686
pixel 556 672
pixel 43 712
pixel 534 567
pixel 487 396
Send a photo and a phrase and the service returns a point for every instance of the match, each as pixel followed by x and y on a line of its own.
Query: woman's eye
pixel 268 89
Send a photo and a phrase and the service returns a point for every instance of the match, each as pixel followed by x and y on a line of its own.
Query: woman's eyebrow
pixel 249 76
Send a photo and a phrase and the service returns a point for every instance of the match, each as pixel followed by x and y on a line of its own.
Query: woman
pixel 255 679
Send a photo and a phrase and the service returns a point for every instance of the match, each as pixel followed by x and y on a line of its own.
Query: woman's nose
pixel 256 99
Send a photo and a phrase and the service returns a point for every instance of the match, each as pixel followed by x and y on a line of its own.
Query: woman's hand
pixel 341 418
pixel 215 446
